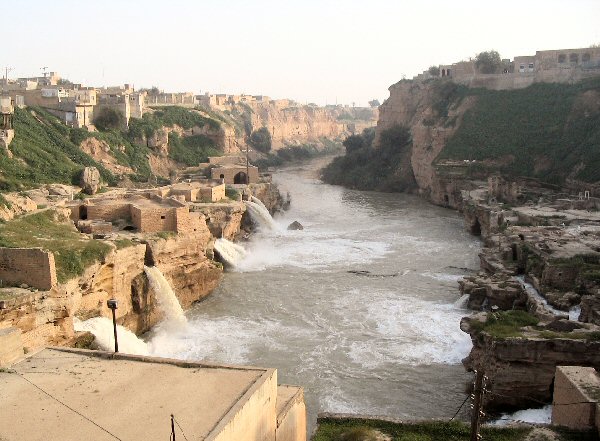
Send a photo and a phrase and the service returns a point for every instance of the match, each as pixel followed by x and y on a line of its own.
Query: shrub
pixel 109 118
pixel 261 140
pixel 488 62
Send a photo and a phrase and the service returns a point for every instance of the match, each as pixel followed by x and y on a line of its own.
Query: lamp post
pixel 112 305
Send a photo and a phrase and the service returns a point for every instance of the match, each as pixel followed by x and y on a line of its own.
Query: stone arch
pixel 221 176
pixel 83 214
pixel 443 72
pixel 240 178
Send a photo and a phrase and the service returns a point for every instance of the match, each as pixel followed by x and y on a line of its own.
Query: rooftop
pixel 128 396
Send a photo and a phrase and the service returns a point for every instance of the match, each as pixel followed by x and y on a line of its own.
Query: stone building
pixel 553 66
pixel 235 174
pixel 7 110
pixel 145 213
pixel 204 191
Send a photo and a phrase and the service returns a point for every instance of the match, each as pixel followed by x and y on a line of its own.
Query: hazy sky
pixel 315 51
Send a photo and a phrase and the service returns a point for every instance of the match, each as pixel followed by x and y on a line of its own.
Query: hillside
pixel 547 131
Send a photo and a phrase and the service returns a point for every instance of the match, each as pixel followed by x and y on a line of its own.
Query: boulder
pixel 295 226
pixel 90 180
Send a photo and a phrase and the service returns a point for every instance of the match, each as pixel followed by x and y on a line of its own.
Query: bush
pixel 384 168
pixel 191 150
pixel 261 140
pixel 488 62
pixel 109 118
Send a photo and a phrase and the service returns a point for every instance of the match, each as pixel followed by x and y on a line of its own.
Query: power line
pixel 177 422
pixel 70 408
pixel 459 408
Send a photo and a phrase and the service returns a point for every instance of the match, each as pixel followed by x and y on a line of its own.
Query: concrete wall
pixel 291 419
pixel 11 346
pixel 575 399
pixel 253 418
pixel 31 266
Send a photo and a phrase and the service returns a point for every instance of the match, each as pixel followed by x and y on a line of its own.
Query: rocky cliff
pixel 546 132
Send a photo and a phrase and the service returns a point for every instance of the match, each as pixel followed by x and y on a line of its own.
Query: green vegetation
pixel 385 168
pixel 298 153
pixel 43 153
pixel 191 150
pixel 363 430
pixel 232 193
pixel 488 62
pixel 261 140
pixel 166 234
pixel 124 243
pixel 184 118
pixel 109 118
pixel 505 324
pixel 73 252
pixel 545 131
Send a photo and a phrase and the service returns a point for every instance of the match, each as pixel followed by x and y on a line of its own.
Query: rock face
pixel 411 104
pixel 521 370
pixel 295 226
pixel 90 180
pixel 100 151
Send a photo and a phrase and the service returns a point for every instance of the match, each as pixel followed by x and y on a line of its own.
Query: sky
pixel 325 51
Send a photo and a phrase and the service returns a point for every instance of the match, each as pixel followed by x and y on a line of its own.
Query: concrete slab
pixel 78 394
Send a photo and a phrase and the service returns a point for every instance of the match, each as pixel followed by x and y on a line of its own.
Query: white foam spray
pixel 259 202
pixel 167 300
pixel 462 301
pixel 102 328
pixel 230 252
pixel 538 416
pixel 261 215
pixel 535 294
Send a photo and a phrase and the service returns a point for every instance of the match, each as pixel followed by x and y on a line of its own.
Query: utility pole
pixel 247 165
pixel 477 405
pixel 6 71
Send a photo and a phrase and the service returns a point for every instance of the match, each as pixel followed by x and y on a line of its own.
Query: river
pixel 384 340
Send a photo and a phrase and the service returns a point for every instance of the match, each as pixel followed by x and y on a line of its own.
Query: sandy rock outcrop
pixel 16 205
pixel 101 152
pixel 90 180
pixel 183 262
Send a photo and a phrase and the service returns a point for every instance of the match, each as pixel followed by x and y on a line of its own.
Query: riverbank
pixel 44 315
pixel 538 287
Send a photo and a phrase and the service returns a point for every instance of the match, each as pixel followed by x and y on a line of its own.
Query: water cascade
pixel 102 328
pixel 260 214
pixel 230 252
pixel 167 300
pixel 462 301
pixel 573 314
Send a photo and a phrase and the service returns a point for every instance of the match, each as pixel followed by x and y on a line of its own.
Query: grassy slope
pixel 536 124
pixel 73 252
pixel 43 153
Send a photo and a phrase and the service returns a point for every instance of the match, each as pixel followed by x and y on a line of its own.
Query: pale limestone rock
pixel 90 180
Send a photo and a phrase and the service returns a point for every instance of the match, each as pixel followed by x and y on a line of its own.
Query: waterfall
pixel 259 202
pixel 230 252
pixel 102 328
pixel 534 293
pixel 167 300
pixel 462 302
pixel 260 214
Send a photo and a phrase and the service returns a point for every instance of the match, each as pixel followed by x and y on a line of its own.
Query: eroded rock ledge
pixel 185 259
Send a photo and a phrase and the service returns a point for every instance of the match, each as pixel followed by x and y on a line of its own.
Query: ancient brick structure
pixel 31 266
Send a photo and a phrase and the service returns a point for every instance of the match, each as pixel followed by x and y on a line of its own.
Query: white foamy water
pixel 102 328
pixel 231 253
pixel 261 215
pixel 539 416
pixel 167 300
pixel 572 314
pixel 358 308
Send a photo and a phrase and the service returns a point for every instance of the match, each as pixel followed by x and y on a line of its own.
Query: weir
pixel 259 213
pixel 167 300
pixel 230 253
pixel 129 343
pixel 102 328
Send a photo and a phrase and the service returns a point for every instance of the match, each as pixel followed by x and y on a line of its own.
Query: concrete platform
pixel 74 394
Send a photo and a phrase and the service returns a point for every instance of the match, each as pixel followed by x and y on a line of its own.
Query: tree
pixel 353 143
pixel 109 118
pixel 374 103
pixel 488 62
pixel 261 140
pixel 434 71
